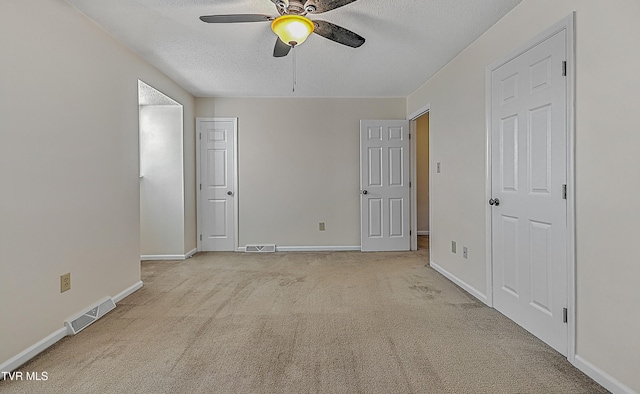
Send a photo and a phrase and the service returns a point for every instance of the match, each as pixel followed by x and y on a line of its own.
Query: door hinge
pixel 564 192
pixel 564 68
pixel 409 232
pixel 201 186
pixel 565 315
pixel 409 184
pixel 200 135
pixel 409 135
pixel 200 237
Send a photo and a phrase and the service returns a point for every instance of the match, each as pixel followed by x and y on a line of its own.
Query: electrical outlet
pixel 65 282
pixel 453 246
pixel 465 252
pixel 321 226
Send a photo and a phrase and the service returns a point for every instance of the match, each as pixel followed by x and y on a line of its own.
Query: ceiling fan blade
pixel 281 49
pixel 236 18
pixel 326 5
pixel 337 34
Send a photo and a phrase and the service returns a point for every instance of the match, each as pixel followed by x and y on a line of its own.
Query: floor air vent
pixel 76 325
pixel 260 248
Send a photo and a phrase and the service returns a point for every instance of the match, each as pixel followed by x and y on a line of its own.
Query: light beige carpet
pixel 345 322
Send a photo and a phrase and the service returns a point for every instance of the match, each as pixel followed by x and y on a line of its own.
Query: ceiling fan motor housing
pixel 293 27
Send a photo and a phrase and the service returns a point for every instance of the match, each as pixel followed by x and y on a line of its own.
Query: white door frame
pixel 413 196
pixel 235 179
pixel 566 24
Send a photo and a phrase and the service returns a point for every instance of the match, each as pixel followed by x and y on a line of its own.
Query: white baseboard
pixel 604 379
pixel 167 257
pixel 313 249
pixel 318 248
pixel 50 340
pixel 32 351
pixel 127 292
pixel 465 286
pixel 423 233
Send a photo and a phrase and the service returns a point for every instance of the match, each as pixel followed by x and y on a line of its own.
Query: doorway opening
pixel 420 179
pixel 161 175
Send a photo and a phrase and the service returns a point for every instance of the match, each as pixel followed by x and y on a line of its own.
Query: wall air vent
pixel 79 323
pixel 260 248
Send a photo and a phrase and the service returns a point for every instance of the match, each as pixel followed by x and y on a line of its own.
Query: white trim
pixel 462 284
pixel 413 191
pixel 313 249
pixel 236 204
pixel 604 379
pixel 33 351
pixel 566 24
pixel 317 248
pixel 198 191
pixel 422 232
pixel 431 174
pixel 167 257
pixel 571 182
pixel 487 190
pixel 50 340
pixel 127 292
pixel 418 113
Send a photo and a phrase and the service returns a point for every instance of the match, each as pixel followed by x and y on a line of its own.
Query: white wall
pixel 162 183
pixel 68 167
pixel 299 165
pixel 607 140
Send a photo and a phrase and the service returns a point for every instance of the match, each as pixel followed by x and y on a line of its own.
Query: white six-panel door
pixel 529 171
pixel 384 185
pixel 217 184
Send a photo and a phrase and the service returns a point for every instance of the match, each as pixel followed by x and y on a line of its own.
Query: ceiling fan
pixel 293 27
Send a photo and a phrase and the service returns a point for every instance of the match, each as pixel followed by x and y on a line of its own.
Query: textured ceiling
pixel 407 42
pixel 147 95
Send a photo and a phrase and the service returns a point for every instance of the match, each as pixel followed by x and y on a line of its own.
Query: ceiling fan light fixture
pixel 292 29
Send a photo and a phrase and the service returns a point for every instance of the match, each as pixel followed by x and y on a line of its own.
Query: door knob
pixel 365 192
pixel 494 201
pixel 229 193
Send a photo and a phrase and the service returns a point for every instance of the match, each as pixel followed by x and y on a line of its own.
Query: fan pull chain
pixel 294 76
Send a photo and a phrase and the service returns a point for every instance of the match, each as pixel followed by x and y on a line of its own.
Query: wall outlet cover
pixel 65 282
